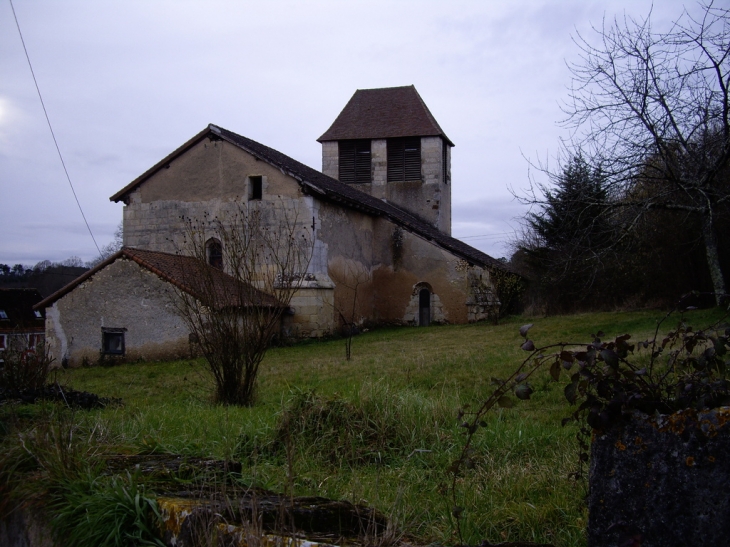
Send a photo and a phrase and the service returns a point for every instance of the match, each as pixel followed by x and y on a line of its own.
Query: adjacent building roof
pixel 382 114
pixel 187 274
pixel 16 311
pixel 324 187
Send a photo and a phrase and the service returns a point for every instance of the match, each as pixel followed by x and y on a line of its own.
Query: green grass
pixel 381 429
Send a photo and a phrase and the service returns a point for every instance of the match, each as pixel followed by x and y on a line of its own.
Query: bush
pixel 376 428
pixel 25 368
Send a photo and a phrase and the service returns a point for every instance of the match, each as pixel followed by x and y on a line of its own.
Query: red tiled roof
pixel 187 274
pixel 382 114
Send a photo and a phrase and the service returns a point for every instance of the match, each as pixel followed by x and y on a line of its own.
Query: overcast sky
pixel 126 82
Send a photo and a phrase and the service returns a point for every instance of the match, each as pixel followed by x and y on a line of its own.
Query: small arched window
pixel 214 250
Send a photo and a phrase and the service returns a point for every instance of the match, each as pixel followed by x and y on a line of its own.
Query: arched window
pixel 215 253
pixel 424 307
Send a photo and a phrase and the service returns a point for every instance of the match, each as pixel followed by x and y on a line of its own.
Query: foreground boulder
pixel 661 481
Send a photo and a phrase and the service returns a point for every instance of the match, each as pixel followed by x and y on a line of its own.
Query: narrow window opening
pixel 404 159
pixel 3 315
pixel 424 308
pixel 215 253
pixel 112 341
pixel 255 187
pixel 354 162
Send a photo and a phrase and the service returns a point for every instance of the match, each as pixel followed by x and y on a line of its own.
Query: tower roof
pixel 384 113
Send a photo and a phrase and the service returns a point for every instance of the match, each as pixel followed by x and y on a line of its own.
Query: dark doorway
pixel 424 308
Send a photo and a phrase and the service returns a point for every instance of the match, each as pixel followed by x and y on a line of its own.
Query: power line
pixel 494 235
pixel 58 149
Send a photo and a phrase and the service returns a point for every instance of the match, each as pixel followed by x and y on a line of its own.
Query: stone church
pixel 379 214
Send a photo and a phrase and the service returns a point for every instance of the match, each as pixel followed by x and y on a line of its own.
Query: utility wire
pixel 493 235
pixel 51 128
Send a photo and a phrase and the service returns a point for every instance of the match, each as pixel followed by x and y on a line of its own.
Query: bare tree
pixel 349 277
pixel 111 247
pixel 651 111
pixel 248 267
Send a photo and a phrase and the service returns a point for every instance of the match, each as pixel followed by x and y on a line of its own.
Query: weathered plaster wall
pixel 403 261
pixel 122 295
pixel 347 237
pixel 211 180
pixel 313 308
pixel 379 268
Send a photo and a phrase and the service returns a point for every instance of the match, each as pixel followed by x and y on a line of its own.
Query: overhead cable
pixel 63 163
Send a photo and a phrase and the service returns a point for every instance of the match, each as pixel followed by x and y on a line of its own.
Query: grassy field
pixel 380 429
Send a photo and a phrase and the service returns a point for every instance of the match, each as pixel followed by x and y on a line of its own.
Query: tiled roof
pixel 17 305
pixel 187 274
pixel 384 113
pixel 324 187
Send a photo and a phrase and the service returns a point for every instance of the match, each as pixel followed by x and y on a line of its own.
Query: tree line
pixel 637 207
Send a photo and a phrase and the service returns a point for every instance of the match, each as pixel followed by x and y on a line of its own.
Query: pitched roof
pixel 384 113
pixel 17 305
pixel 324 187
pixel 187 274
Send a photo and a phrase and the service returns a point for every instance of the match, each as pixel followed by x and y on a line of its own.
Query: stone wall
pixel 313 311
pixel 331 159
pixel 122 296
pixel 661 481
pixel 26 527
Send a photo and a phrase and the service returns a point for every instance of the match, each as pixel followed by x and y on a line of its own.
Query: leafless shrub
pixel 249 266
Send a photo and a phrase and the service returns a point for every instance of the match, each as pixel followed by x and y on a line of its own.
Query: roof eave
pixel 442 135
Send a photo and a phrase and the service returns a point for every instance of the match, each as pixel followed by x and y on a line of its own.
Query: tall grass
pixel 55 466
pixel 379 429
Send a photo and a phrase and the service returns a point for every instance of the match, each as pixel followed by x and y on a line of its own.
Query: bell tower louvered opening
pixel 404 159
pixel 354 162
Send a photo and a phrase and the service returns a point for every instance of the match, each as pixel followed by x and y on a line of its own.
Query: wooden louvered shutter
pixel 362 162
pixel 412 158
pixel 395 160
pixel 347 161
pixel 404 159
pixel 355 164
